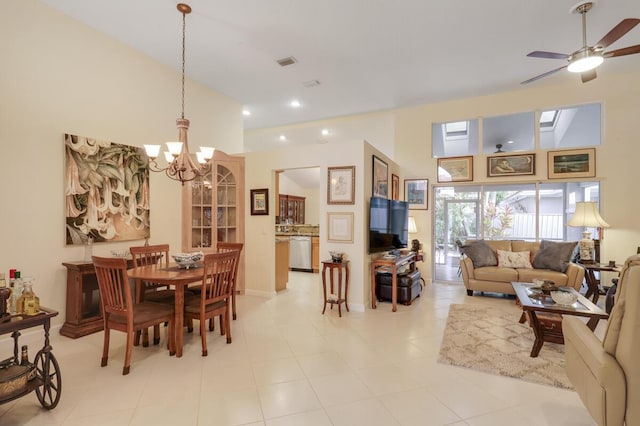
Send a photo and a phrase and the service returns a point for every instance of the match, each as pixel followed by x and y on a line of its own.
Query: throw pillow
pixel 480 254
pixel 510 259
pixel 554 255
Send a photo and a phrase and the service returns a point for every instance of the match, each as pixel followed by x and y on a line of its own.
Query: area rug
pixel 491 340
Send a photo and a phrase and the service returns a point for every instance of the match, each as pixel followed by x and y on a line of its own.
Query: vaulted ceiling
pixel 365 55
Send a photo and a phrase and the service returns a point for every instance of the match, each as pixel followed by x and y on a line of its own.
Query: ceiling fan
pixel 586 59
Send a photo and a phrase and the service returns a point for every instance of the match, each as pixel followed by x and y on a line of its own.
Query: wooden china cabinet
pixel 213 208
pixel 291 209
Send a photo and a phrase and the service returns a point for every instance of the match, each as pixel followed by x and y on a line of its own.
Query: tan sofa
pixel 498 279
pixel 606 374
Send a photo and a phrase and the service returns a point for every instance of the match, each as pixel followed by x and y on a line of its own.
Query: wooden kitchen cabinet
pixel 315 254
pixel 213 208
pixel 282 263
pixel 291 208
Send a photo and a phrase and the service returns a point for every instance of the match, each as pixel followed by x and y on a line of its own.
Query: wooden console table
pixel 83 312
pixel 390 266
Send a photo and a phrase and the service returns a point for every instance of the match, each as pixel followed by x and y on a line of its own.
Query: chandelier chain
pixel 183 61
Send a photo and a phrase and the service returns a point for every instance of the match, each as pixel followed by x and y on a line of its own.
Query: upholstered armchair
pixel 606 374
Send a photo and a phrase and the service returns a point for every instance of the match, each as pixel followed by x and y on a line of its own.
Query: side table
pixel 338 268
pixel 593 283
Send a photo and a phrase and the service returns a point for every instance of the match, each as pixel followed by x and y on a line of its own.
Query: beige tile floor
pixel 289 365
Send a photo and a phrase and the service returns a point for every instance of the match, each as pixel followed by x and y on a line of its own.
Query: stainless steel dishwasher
pixel 300 253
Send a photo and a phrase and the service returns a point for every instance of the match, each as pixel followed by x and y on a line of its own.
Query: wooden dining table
pixel 179 279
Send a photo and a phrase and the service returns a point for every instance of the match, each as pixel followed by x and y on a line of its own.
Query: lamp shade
pixel 587 215
pixel 412 225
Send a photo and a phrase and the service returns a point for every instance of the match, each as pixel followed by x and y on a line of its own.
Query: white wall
pixel 58 76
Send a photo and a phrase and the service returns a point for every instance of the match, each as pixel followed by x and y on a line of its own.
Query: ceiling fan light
pixel 586 63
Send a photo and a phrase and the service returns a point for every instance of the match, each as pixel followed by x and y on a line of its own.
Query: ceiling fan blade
pixel 547 55
pixel 622 52
pixel 617 32
pixel 588 76
pixel 538 77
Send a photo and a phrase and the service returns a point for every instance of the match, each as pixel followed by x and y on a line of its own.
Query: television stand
pixel 390 266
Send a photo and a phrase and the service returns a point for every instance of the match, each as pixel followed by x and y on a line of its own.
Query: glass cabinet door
pixel 227 221
pixel 201 209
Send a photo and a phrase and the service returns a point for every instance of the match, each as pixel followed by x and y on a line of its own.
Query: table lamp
pixel 413 229
pixel 587 215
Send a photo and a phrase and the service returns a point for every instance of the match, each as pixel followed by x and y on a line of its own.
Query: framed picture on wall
pixel 511 165
pixel 455 169
pixel 379 178
pixel 416 193
pixel 341 186
pixel 571 163
pixel 259 202
pixel 340 226
pixel 395 187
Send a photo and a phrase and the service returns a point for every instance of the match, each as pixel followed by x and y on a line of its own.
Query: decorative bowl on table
pixel 336 256
pixel 187 260
pixel 564 297
pixel 125 254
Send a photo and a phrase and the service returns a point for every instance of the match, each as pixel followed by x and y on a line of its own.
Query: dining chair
pixel 215 295
pixel 120 313
pixel 224 247
pixel 144 256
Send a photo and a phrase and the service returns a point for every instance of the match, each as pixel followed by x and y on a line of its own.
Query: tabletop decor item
pixel 564 297
pixel 336 256
pixel 187 260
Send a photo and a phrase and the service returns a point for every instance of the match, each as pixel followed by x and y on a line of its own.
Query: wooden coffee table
pixel 534 302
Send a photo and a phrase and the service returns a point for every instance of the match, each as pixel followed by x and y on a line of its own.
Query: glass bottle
pixel 24 355
pixel 28 303
pixel 16 292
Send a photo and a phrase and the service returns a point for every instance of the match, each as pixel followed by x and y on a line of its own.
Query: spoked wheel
pixel 48 371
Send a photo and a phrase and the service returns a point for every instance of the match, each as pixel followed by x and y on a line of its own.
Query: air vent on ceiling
pixel 287 61
pixel 311 83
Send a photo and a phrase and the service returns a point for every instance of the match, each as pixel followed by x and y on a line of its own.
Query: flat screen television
pixel 388 224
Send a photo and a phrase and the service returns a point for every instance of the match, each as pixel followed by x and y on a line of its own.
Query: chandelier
pixel 180 163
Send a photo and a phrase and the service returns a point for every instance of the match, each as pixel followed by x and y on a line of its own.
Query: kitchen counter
pixel 294 234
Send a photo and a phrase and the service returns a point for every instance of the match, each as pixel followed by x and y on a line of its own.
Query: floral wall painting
pixel 106 191
pixel 380 178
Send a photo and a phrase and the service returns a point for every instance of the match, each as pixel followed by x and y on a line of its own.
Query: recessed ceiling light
pixel 510 142
pixel 283 138
pixel 295 103
pixel 246 112
pixel 325 132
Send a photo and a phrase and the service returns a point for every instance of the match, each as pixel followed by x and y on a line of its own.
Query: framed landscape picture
pixel 341 186
pixel 511 165
pixel 416 193
pixel 571 163
pixel 455 169
pixel 379 178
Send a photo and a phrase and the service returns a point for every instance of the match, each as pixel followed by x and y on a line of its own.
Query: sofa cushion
pixel 493 273
pixel 554 255
pixel 480 254
pixel 510 259
pixel 530 246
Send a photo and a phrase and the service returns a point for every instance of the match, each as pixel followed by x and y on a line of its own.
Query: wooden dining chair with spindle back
pixel 144 256
pixel 215 295
pixel 119 311
pixel 224 247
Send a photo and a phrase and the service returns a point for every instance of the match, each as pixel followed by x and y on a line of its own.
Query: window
pixel 508 133
pixel 455 138
pixel 570 127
